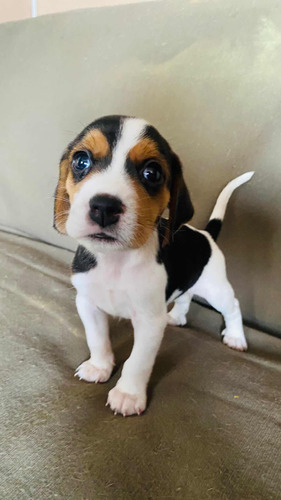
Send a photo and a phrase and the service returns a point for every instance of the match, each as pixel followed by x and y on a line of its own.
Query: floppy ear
pixel 180 206
pixel 61 205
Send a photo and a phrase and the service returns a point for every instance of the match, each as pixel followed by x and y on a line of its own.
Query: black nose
pixel 105 209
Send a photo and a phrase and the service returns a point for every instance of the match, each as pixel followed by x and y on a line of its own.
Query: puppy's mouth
pixel 102 237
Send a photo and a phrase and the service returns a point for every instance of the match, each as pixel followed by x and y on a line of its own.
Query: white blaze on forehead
pixel 131 133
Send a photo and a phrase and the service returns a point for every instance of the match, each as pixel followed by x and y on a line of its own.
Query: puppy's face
pixel 116 179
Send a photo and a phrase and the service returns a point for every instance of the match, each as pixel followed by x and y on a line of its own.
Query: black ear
pixel 180 206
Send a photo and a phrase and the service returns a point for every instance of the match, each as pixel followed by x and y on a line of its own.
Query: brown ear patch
pixel 149 209
pixel 62 205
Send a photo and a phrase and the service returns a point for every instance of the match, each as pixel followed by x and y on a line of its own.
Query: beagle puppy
pixel 116 179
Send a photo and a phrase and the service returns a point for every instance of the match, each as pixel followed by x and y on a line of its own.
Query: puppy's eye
pixel 81 162
pixel 152 173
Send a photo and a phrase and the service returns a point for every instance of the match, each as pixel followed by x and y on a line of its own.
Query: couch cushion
pixel 211 428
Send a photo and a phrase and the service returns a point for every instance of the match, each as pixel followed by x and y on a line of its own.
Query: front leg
pixel 128 397
pixel 99 366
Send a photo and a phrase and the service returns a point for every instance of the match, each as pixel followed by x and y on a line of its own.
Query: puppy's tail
pixel 215 222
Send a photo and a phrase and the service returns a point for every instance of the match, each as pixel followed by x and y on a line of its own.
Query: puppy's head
pixel 116 179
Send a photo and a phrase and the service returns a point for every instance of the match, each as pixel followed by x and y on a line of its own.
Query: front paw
pixel 237 342
pixel 126 404
pixel 91 373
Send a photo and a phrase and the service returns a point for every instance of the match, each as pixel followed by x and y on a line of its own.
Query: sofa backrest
pixel 207 75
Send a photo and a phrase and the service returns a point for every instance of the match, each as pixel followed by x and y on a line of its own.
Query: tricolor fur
pixel 116 179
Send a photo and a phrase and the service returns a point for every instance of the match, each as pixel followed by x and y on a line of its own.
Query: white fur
pixel 131 133
pixel 177 316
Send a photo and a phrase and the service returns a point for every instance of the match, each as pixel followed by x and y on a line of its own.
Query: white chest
pixel 122 286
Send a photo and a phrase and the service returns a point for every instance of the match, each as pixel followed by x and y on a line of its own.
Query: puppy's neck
pixel 131 257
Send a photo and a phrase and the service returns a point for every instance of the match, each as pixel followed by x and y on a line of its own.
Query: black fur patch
pixel 213 227
pixel 162 144
pixel 184 257
pixel 111 127
pixel 181 208
pixel 83 260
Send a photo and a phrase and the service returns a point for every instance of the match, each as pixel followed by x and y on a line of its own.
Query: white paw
pixel 176 320
pixel 87 371
pixel 237 342
pixel 126 404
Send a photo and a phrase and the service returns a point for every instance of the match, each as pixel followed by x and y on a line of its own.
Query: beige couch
pixel 208 76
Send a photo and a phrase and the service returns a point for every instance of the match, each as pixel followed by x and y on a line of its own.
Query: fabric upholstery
pixel 212 428
pixel 206 74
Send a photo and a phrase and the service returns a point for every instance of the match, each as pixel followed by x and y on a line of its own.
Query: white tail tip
pixel 220 206
pixel 246 177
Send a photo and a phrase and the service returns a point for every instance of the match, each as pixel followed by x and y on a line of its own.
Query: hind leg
pixel 233 334
pixel 223 299
pixel 214 287
pixel 177 316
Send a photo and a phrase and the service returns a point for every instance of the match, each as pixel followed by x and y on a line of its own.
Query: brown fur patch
pixel 149 209
pixel 94 141
pixel 147 149
pixel 62 204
